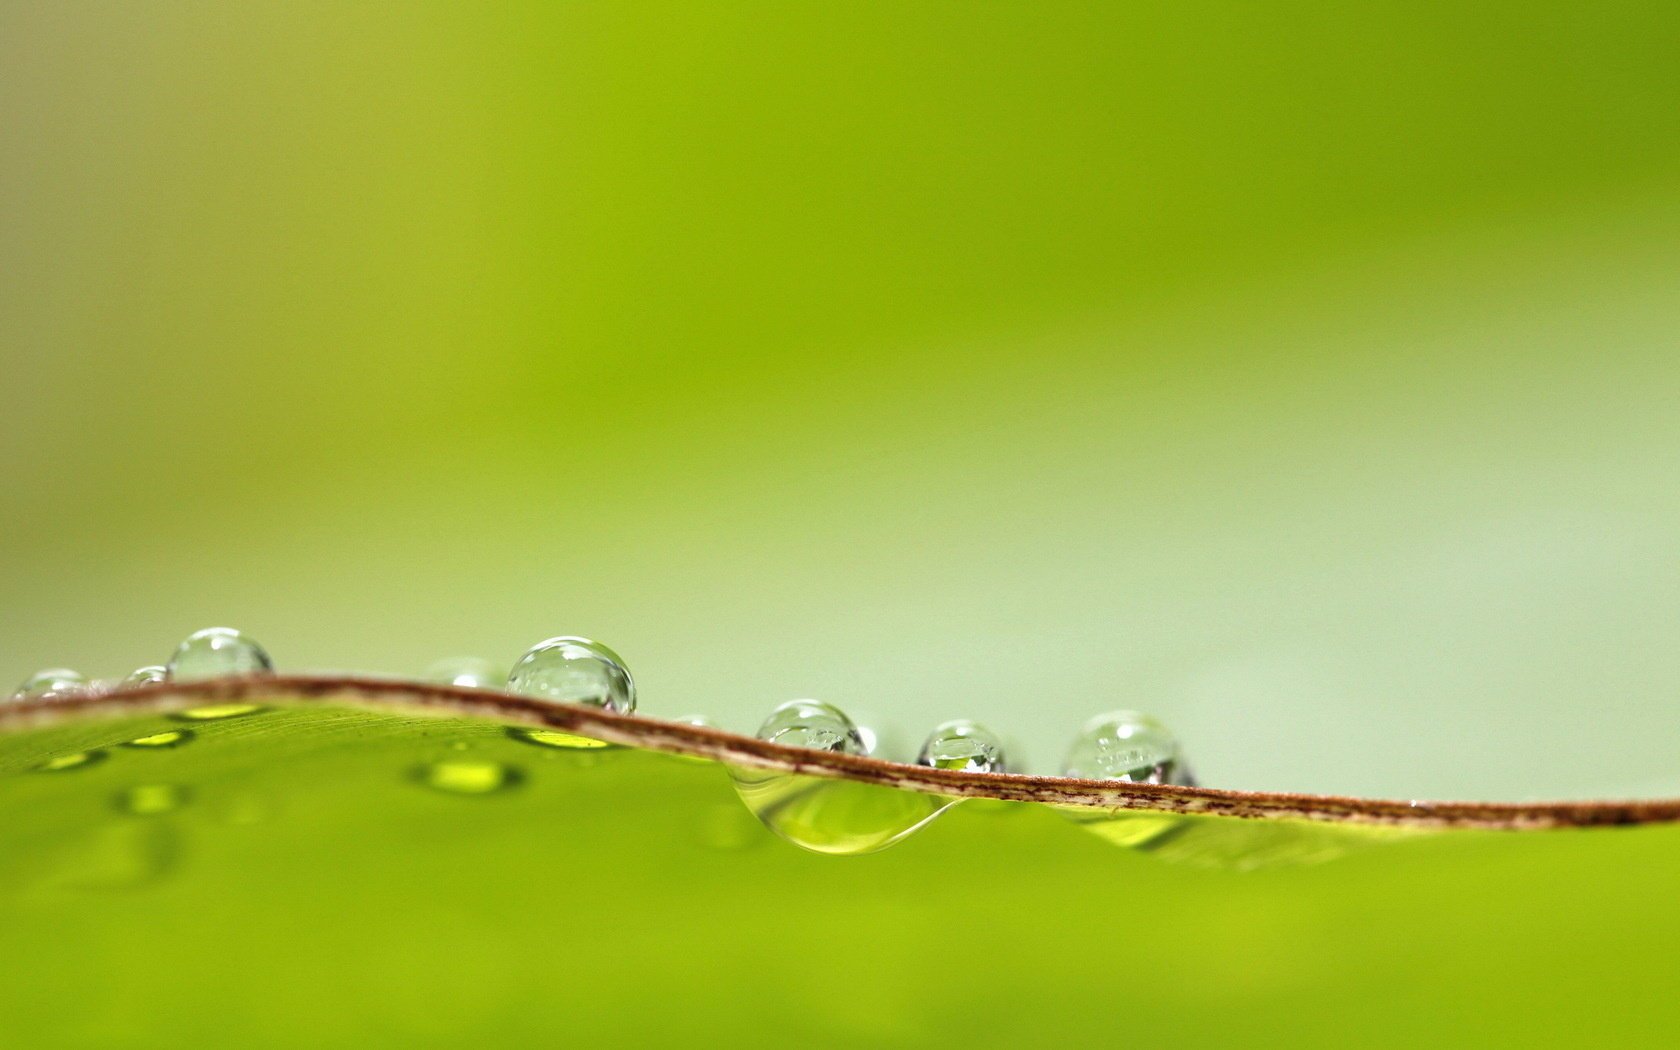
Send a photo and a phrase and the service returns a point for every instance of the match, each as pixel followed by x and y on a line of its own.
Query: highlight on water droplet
pixel 573 670
pixel 555 738
pixel 74 760
pixel 217 652
pixel 1125 745
pixel 458 776
pixel 216 712
pixel 166 739
pixel 815 725
pixel 962 745
pixel 150 675
pixel 51 683
pixel 468 672
pixel 150 800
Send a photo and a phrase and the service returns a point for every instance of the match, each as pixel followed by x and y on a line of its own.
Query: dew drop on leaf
pixel 575 671
pixel 74 760
pixel 53 682
pixel 1125 745
pixel 151 675
pixel 216 712
pixel 462 777
pixel 165 739
pixel 555 738
pixel 150 800
pixel 815 725
pixel 216 652
pixel 962 745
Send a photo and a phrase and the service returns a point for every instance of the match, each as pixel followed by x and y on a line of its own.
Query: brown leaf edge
pixel 735 750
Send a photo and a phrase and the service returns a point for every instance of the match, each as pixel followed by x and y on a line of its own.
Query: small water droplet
pixel 74 760
pixel 150 800
pixel 1125 745
pixel 151 675
pixel 815 725
pixel 575 671
pixel 555 738
pixel 165 739
pixel 215 712
pixel 696 720
pixel 962 745
pixel 466 671
pixel 51 683
pixel 216 652
pixel 462 777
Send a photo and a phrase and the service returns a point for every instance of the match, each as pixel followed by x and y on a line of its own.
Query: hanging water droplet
pixel 575 671
pixel 462 777
pixel 151 675
pixel 166 738
pixel 555 738
pixel 1125 745
pixel 963 745
pixel 74 760
pixel 469 672
pixel 51 683
pixel 815 725
pixel 216 652
pixel 216 712
pixel 150 800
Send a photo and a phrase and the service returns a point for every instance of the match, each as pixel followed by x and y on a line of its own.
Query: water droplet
pixel 51 683
pixel 216 652
pixel 466 671
pixel 575 671
pixel 835 816
pixel 815 725
pixel 963 745
pixel 151 675
pixel 166 738
pixel 74 760
pixel 462 777
pixel 215 712
pixel 1125 745
pixel 696 720
pixel 150 800
pixel 555 738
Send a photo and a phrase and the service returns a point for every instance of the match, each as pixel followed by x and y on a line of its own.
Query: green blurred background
pixel 1303 373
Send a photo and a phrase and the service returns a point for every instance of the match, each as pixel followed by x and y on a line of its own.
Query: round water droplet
pixel 216 712
pixel 466 671
pixel 150 800
pixel 165 739
pixel 51 683
pixel 151 675
pixel 217 652
pixel 1124 745
pixel 74 760
pixel 462 777
pixel 555 738
pixel 963 745
pixel 815 725
pixel 575 671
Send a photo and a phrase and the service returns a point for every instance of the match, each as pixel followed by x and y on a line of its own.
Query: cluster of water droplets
pixel 215 652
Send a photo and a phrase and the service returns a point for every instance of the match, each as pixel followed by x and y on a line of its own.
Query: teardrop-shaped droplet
pixel 575 671
pixel 53 682
pixel 815 725
pixel 217 652
pixel 150 675
pixel 1125 745
pixel 464 777
pixel 963 745
pixel 469 672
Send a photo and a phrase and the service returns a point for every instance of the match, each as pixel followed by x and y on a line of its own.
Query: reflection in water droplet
pixel 826 815
pixel 215 712
pixel 575 671
pixel 962 745
pixel 74 760
pixel 215 652
pixel 51 683
pixel 1128 746
pixel 148 676
pixel 461 777
pixel 150 800
pixel 815 725
pixel 167 738
pixel 555 738
pixel 466 671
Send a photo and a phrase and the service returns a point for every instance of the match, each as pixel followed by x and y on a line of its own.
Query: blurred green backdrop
pixel 1303 373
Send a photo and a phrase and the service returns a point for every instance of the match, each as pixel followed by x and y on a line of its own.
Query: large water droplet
pixel 51 683
pixel 165 739
pixel 1125 745
pixel 150 800
pixel 466 671
pixel 815 725
pixel 831 815
pixel 150 675
pixel 555 738
pixel 963 745
pixel 464 777
pixel 575 671
pixel 216 652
